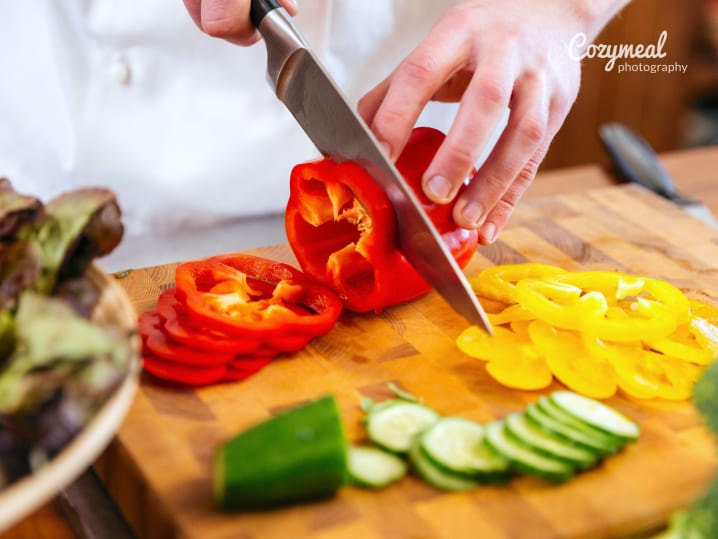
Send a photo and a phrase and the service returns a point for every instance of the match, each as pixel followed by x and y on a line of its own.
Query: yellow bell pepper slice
pixel 559 304
pixel 705 333
pixel 612 284
pixel 670 296
pixel 499 282
pixel 521 329
pixel 704 310
pixel 675 378
pixel 645 374
pixel 621 356
pixel 512 359
pixel 526 370
pixel 515 312
pixel 646 317
pixel 571 363
pixel 475 342
pixel 696 342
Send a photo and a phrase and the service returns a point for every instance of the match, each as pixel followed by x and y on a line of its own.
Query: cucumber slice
pixel 612 443
pixel 596 414
pixel 525 459
pixel 436 476
pixel 296 456
pixel 457 444
pixel 393 426
pixel 374 467
pixel 542 420
pixel 541 441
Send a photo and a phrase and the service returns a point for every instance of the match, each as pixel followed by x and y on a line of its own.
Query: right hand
pixel 229 19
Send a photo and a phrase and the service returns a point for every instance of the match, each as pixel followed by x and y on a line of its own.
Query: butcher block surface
pixel 158 467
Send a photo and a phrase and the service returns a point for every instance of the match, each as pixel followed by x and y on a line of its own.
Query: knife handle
pixel 635 160
pixel 259 8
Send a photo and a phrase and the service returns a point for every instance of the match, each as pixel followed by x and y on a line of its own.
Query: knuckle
pixel 388 121
pixel 532 129
pixel 420 68
pixel 520 184
pixel 493 92
pixel 503 209
pixel 461 157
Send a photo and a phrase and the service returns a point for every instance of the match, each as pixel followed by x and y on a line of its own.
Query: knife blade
pixel 339 133
pixel 637 162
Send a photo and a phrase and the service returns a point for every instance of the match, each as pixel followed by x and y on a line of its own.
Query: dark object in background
pixel 636 161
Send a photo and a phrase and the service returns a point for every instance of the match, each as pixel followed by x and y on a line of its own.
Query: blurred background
pixel 670 110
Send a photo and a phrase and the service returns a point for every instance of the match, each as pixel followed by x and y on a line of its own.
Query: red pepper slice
pixel 183 374
pixel 243 367
pixel 157 344
pixel 256 298
pixel 341 227
pixel 180 327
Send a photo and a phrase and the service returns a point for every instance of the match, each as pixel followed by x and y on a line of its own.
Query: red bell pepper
pixel 255 298
pixel 341 227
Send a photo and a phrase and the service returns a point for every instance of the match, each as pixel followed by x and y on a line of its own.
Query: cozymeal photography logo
pixel 623 56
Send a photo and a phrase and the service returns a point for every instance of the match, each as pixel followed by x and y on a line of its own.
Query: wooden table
pixel 694 172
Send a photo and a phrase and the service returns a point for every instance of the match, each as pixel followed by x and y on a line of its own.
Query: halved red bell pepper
pixel 252 297
pixel 341 227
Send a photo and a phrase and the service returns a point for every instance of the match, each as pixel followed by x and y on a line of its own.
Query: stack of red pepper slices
pixel 229 316
pixel 342 227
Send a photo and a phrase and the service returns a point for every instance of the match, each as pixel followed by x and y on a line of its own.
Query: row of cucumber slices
pixel 554 438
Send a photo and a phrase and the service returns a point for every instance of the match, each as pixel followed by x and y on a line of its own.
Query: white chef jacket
pixel 184 128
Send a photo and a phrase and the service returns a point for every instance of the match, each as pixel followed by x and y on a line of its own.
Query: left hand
pixel 489 55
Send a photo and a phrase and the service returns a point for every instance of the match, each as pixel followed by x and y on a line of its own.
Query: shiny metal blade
pixel 340 134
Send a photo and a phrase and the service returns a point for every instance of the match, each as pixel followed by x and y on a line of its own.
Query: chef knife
pixel 636 161
pixel 302 84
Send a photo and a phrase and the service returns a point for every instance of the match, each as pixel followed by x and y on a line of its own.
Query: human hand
pixel 489 55
pixel 229 19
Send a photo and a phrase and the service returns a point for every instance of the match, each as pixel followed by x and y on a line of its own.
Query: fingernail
pixel 473 212
pixel 488 232
pixel 387 149
pixel 439 187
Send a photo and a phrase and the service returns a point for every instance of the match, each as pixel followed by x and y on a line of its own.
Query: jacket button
pixel 120 70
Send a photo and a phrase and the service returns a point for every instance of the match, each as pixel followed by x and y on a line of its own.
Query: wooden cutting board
pixel 158 468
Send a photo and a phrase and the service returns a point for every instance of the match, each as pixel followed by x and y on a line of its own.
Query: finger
pixel 414 82
pixel 369 103
pixel 194 9
pixel 228 19
pixel 525 131
pixel 501 213
pixel 482 108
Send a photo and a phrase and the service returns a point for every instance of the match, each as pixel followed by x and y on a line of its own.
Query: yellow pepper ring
pixel 512 313
pixel 671 297
pixel 560 304
pixel 654 319
pixel 612 284
pixel 499 282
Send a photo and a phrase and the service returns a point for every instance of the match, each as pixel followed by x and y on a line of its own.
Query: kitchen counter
pixel 694 172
